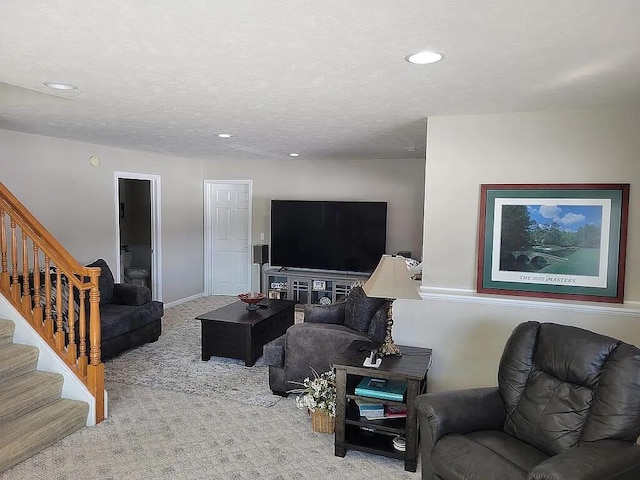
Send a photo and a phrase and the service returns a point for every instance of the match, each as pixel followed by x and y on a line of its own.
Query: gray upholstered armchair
pixel 325 332
pixel 567 406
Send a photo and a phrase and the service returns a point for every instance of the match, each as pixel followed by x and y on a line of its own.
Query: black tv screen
pixel 328 235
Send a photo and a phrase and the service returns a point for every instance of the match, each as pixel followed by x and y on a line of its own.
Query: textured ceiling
pixel 326 79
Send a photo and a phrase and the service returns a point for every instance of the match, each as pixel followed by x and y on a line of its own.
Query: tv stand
pixel 309 287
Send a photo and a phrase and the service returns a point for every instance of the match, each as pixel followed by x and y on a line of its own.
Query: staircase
pixel 33 415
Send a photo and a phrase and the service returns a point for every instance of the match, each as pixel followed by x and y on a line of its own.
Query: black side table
pixel 354 432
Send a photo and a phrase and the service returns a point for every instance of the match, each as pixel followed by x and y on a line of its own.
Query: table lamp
pixel 391 280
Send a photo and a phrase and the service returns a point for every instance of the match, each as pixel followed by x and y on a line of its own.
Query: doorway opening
pixel 138 227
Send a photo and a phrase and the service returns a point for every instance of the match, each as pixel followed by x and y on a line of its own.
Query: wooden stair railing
pixel 53 292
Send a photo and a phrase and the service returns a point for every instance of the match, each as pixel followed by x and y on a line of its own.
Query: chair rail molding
pixel 460 295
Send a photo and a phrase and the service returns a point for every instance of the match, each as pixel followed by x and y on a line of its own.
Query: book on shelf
pixel 365 405
pixel 373 414
pixel 381 388
pixel 386 412
pixel 370 409
pixel 393 411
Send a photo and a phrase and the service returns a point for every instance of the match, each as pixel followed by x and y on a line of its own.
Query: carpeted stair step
pixel 17 360
pixel 29 392
pixel 6 331
pixel 31 433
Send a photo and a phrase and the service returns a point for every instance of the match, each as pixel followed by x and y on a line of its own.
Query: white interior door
pixel 228 232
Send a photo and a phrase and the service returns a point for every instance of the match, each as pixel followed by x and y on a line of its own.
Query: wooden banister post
pixel 94 320
pixel 95 383
pixel 95 370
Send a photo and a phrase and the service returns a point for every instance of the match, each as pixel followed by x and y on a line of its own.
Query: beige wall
pixel 468 331
pixel 398 182
pixel 575 146
pixel 76 202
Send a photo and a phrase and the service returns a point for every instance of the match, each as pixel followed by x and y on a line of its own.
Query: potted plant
pixel 318 396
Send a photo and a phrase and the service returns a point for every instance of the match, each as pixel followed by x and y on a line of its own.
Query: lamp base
pixel 389 347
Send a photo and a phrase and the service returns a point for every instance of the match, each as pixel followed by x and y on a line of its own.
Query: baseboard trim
pixel 631 308
pixel 184 300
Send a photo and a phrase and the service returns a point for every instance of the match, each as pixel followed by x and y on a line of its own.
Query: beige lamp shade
pixel 391 280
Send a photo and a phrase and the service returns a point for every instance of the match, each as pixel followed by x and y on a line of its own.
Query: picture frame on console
pixel 564 241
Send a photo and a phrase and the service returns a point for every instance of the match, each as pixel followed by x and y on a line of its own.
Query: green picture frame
pixel 565 241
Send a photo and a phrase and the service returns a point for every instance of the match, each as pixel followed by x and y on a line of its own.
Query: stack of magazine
pixel 381 388
pixel 384 390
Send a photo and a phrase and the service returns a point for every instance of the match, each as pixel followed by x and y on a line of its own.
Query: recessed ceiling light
pixel 424 58
pixel 60 85
pixel 225 135
pixel 294 154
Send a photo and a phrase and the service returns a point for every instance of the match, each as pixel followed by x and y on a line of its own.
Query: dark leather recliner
pixel 567 406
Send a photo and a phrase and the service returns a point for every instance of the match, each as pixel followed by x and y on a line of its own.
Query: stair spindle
pixel 82 327
pixel 37 294
pixel 26 284
pixel 4 279
pixel 15 286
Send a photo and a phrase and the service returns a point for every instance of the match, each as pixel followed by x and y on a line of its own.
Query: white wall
pixel 76 202
pixel 467 331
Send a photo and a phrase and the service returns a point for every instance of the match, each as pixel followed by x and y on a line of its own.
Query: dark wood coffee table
pixel 235 332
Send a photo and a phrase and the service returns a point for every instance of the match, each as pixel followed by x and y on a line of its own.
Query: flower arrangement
pixel 318 394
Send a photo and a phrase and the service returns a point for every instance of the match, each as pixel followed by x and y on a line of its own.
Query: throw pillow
pixel 105 282
pixel 378 328
pixel 328 314
pixel 360 310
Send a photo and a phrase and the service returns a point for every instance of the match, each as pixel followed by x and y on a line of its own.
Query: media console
pixel 309 287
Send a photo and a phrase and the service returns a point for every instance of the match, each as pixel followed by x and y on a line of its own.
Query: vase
pixel 322 422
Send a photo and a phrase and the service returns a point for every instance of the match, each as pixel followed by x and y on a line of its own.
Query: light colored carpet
pixel 155 432
pixel 174 361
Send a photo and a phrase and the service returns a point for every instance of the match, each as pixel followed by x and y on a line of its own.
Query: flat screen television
pixel 328 235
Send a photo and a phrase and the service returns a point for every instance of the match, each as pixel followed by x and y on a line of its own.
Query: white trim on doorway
pixel 208 240
pixel 156 228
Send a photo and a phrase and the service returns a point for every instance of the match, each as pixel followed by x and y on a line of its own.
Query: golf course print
pixel 556 239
